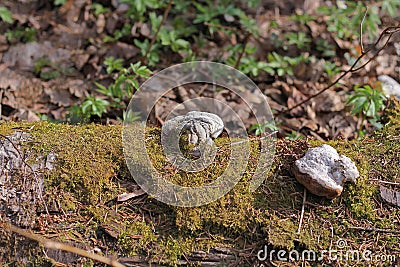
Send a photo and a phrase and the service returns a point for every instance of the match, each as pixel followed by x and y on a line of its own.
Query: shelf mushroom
pixel 201 126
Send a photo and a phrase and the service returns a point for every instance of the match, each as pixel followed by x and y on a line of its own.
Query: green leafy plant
pixel 115 95
pixel 25 35
pixel 152 55
pixel 391 7
pixel 282 65
pixel 294 136
pixel 179 33
pixel 170 38
pixel 367 102
pixel 299 39
pixel 345 21
pixel 331 69
pixel 113 64
pixel 90 106
pixel 6 15
pixel 118 34
pixel 137 8
pixel 47 70
pixel 99 9
pixel 327 49
pixel 250 66
pixel 94 106
pixel 276 65
pixel 59 2
pixel 260 128
pixel 303 18
pixel 126 81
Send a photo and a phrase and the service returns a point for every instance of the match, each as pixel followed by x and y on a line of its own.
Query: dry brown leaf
pixel 78 88
pixel 145 30
pixel 58 114
pixel 25 56
pixel 59 97
pixel 79 58
pixel 26 115
pixel 312 125
pixel 100 23
pixel 329 101
pixel 20 91
pixel 293 123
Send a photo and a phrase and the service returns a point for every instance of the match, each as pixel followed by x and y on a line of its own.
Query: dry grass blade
pixel 302 210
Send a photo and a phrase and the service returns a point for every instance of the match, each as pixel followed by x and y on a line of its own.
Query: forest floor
pixel 51 56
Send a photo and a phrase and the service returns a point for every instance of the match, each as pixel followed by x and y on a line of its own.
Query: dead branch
pixel 388 32
pixel 60 246
pixel 246 41
pixel 154 37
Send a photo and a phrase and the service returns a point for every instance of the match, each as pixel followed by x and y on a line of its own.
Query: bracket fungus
pixel 323 171
pixel 201 127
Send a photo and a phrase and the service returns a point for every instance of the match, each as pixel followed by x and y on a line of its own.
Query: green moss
pixel 182 178
pixel 281 232
pixel 136 238
pixel 88 160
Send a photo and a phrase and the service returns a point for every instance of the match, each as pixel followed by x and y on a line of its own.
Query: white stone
pixel 389 86
pixel 323 171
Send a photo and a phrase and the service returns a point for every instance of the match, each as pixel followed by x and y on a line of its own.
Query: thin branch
pixel 370 229
pixel 389 32
pixel 361 30
pixel 246 40
pixel 60 246
pixel 154 37
pixel 385 182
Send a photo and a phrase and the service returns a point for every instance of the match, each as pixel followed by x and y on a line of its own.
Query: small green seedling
pixel 367 103
pixel 294 136
pixel 6 15
pixel 260 128
pixel 94 106
pixel 115 96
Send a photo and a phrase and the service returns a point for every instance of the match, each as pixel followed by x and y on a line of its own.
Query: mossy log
pixel 76 202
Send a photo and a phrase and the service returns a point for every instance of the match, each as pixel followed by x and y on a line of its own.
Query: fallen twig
pixel 389 32
pixel 154 37
pixel 60 246
pixel 246 40
pixel 371 229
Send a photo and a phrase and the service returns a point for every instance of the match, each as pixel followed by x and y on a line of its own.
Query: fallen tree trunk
pixel 70 184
